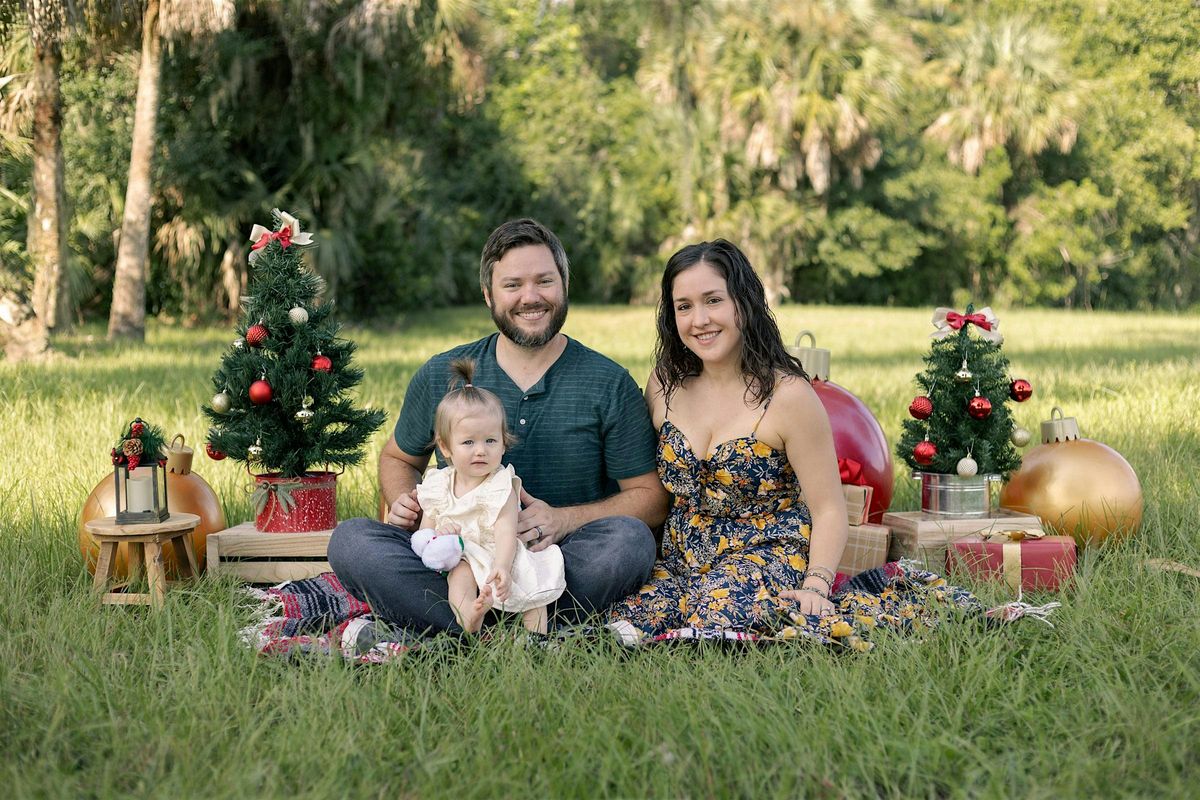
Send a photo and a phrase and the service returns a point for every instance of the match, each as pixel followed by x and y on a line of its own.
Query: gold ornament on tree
pixel 1020 436
pixel 1079 487
pixel 964 374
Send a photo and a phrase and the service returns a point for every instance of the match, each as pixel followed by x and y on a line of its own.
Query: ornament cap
pixel 179 457
pixel 1059 428
pixel 815 360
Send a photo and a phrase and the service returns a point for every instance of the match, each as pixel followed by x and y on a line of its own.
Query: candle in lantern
pixel 140 492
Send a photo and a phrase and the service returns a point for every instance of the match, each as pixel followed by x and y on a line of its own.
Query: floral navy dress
pixel 737 535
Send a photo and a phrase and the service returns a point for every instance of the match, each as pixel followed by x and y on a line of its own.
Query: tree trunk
pixel 233 278
pixel 47 236
pixel 128 316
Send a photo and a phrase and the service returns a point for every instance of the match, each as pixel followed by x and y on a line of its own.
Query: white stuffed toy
pixel 438 551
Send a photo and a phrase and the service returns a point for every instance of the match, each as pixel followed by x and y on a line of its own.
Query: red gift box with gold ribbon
pixel 1023 561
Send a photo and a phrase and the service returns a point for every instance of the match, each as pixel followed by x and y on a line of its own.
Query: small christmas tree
pixel 961 423
pixel 280 402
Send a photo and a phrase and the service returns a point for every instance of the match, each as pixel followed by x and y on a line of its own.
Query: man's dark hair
pixel 763 351
pixel 521 233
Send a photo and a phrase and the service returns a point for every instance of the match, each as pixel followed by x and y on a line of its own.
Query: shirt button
pixel 522 422
pixel 526 397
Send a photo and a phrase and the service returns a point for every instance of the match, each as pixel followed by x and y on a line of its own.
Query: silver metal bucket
pixel 955 496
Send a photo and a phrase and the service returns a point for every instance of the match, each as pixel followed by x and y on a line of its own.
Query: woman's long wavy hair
pixel 764 355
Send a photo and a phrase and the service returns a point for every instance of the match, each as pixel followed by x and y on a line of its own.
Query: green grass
pixel 109 702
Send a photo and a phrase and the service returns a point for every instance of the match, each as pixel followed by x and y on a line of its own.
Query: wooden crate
pixel 926 537
pixel 867 547
pixel 257 557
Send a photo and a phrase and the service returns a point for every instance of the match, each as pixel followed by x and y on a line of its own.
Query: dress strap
pixel 760 418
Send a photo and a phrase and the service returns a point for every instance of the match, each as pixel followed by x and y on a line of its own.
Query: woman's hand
pixel 501 582
pixel 811 603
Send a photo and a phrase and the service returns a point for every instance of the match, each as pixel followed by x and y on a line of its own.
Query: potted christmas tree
pixel 280 404
pixel 961 435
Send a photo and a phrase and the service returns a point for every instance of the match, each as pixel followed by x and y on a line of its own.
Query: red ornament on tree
pixel 924 452
pixel 322 363
pixel 137 429
pixel 260 392
pixel 256 335
pixel 979 407
pixel 1020 390
pixel 213 453
pixel 921 407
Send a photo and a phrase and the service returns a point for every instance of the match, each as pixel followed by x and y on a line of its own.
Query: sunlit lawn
pixel 119 702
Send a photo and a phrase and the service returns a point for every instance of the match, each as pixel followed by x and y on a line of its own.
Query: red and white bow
pixel 947 321
pixel 288 234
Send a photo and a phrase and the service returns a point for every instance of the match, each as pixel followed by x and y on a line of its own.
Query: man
pixel 585 451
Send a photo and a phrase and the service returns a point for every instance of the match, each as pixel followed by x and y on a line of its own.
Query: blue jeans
pixel 605 561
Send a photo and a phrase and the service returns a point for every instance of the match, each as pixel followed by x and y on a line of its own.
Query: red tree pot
pixel 295 505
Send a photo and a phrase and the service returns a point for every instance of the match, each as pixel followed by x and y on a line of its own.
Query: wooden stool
pixel 145 540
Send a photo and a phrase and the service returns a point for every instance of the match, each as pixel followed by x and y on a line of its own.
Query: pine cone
pixel 132 447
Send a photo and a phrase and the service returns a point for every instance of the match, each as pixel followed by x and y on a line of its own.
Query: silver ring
pixel 538 528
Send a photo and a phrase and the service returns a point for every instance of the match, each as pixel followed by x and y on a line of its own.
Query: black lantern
pixel 141 493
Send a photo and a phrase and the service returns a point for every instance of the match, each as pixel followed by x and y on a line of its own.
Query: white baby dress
pixel 537 578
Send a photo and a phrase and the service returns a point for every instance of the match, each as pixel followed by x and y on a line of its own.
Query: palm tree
pixel 160 19
pixel 40 101
pixel 1005 87
pixel 805 85
pixel 800 89
pixel 676 72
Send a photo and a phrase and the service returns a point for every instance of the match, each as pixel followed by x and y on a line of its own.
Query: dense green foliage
pixel 882 151
pixel 118 702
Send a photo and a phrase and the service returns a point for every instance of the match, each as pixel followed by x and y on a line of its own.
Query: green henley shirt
pixel 579 429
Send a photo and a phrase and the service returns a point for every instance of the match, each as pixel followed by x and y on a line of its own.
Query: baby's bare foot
pixel 472 617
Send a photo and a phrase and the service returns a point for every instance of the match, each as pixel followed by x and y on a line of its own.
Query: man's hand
pixel 540 525
pixel 405 512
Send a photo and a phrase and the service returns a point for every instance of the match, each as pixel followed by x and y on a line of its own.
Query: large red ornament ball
pixel 260 392
pixel 321 363
pixel 256 335
pixel 979 407
pixel 924 453
pixel 857 435
pixel 189 493
pixel 1020 390
pixel 921 407
pixel 213 453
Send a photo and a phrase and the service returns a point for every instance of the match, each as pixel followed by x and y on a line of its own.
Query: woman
pixel 740 432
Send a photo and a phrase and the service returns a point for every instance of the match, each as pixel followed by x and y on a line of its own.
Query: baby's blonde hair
pixel 463 399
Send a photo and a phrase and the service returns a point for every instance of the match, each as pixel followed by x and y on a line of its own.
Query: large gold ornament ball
pixel 189 493
pixel 1080 488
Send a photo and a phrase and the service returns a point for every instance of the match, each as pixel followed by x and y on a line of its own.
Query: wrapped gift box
pixel 858 503
pixel 925 538
pixel 866 548
pixel 1029 564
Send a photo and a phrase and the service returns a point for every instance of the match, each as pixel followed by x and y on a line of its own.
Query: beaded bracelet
pixel 822 572
pixel 828 583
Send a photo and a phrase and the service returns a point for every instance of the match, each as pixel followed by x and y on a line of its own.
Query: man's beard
pixel 558 315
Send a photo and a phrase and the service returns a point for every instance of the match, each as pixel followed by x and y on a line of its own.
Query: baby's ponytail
pixel 462 397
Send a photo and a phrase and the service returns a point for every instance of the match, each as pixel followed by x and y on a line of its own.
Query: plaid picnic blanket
pixel 317 616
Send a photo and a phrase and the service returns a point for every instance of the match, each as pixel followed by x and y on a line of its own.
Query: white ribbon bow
pixel 286 221
pixel 944 319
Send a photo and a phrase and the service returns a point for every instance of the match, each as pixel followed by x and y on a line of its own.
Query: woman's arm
pixel 654 400
pixel 808 442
